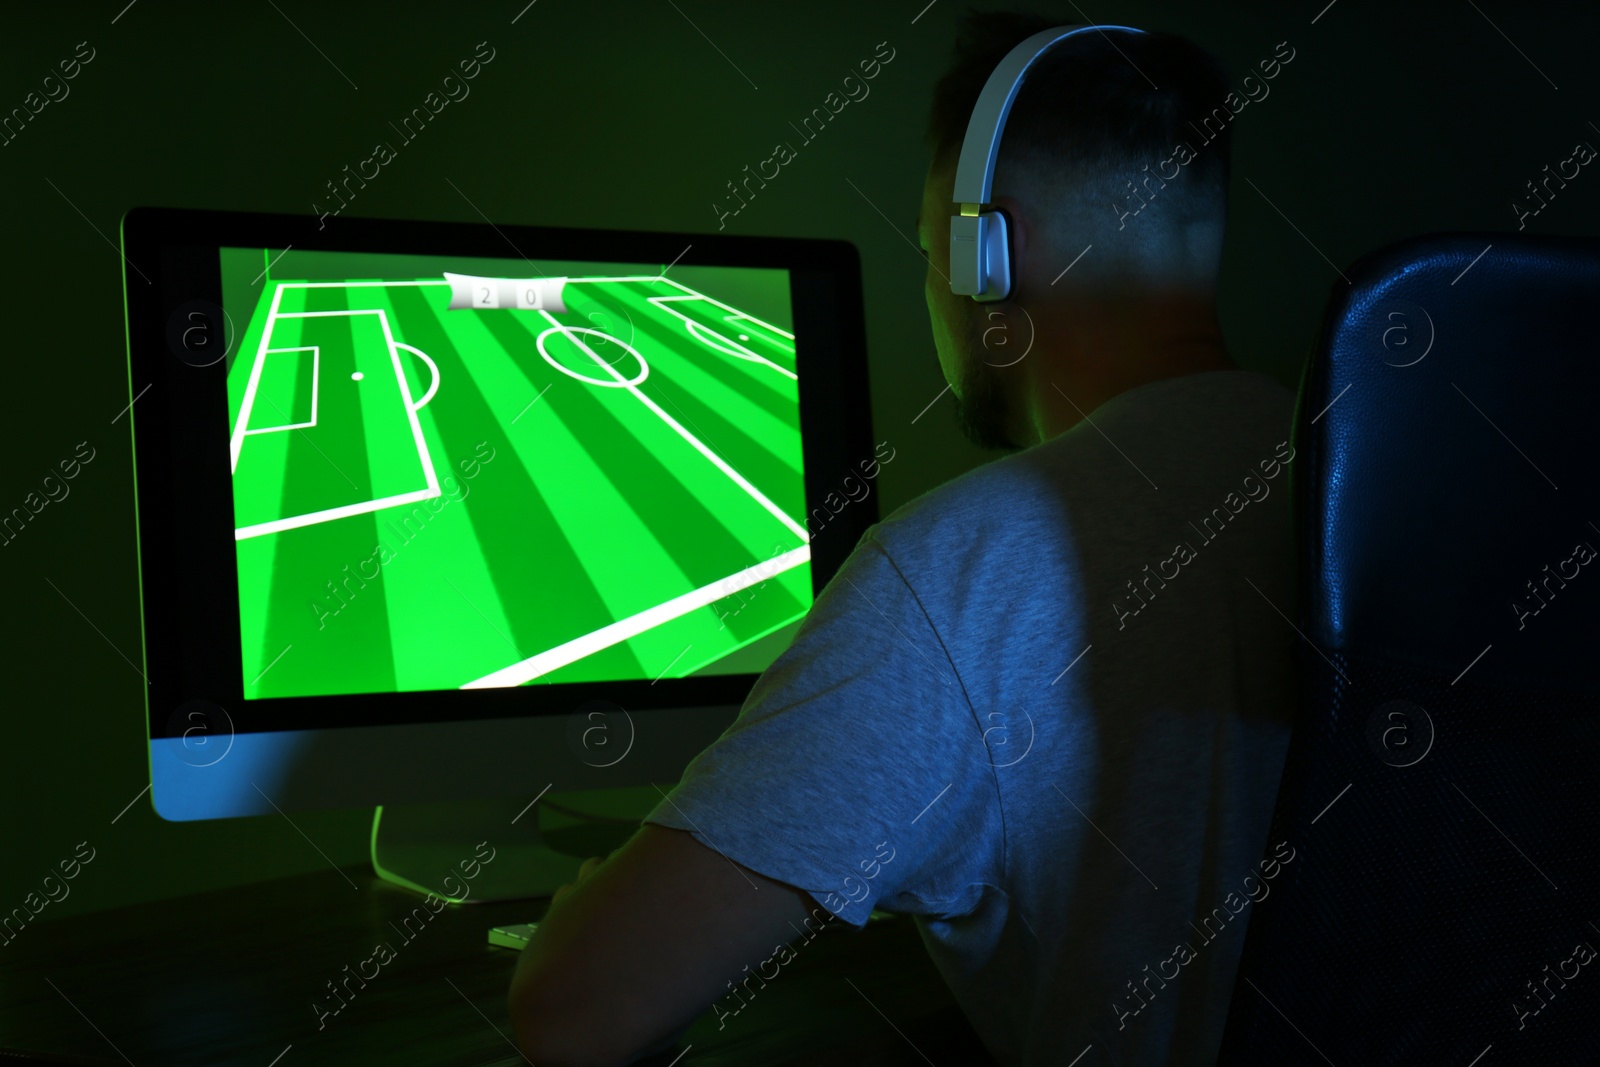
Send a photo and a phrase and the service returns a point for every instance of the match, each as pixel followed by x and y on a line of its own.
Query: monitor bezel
pixel 188 564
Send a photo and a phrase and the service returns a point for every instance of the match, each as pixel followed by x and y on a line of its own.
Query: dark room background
pixel 1391 119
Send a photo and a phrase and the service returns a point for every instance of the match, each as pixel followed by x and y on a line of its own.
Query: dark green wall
pixel 1392 120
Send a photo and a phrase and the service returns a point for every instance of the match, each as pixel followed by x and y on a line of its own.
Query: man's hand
pixel 584 871
pixel 641 944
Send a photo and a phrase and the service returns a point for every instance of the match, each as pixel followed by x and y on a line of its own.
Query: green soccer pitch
pixel 427 498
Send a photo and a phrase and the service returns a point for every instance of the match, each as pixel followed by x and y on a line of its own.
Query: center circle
pixel 607 382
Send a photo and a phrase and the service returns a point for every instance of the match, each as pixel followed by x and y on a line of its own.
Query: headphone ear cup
pixel 969 236
pixel 997 258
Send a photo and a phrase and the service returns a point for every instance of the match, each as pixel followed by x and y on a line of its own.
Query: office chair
pixel 1441 793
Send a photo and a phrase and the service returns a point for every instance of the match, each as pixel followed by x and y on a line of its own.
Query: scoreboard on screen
pixel 470 292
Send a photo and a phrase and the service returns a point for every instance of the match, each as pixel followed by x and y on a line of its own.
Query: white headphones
pixel 980 240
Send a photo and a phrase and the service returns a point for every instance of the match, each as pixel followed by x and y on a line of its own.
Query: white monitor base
pixel 468 852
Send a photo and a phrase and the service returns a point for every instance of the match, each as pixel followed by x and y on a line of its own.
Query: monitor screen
pixel 460 472
pixel 416 501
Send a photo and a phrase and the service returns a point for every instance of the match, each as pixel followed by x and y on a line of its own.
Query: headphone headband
pixel 979 241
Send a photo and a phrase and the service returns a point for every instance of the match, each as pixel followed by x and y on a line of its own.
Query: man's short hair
pixel 1088 118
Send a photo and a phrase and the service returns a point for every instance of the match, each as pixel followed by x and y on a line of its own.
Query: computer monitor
pixel 430 512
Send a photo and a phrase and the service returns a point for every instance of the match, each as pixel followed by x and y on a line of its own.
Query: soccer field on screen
pixel 604 486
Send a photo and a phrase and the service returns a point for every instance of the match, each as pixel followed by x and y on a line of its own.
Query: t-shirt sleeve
pixel 856 770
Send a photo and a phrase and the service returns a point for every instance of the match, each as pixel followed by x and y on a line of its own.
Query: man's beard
pixel 981 409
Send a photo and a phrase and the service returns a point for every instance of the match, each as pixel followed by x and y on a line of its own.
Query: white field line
pixel 255 380
pixel 316 361
pixel 725 307
pixel 343 511
pixel 691 326
pixel 633 625
pixel 721 464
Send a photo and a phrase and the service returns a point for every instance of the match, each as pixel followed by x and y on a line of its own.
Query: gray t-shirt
pixel 1044 709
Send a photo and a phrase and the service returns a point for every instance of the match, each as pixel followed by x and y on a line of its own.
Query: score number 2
pixel 523 297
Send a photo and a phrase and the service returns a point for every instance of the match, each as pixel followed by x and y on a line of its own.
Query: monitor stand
pixel 469 851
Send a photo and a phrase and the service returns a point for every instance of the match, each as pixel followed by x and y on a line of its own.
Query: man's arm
pixel 641 946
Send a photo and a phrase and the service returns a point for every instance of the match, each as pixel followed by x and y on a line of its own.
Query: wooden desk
pixel 230 977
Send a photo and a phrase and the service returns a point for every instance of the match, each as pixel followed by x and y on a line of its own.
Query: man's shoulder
pixel 964 514
pixel 1024 496
pixel 1212 406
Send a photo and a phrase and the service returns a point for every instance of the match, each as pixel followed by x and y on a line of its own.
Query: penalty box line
pixel 412 405
pixel 424 458
pixel 316 363
pixel 236 442
pixel 634 625
pixel 725 307
pixel 701 332
pixel 738 479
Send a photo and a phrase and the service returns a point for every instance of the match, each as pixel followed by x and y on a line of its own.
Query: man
pixel 1044 707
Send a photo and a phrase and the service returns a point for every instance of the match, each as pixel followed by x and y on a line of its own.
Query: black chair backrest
pixel 1441 795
